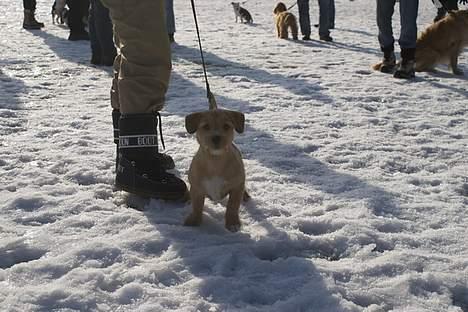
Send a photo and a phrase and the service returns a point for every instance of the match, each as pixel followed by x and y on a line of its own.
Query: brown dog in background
pixel 285 20
pixel 443 42
pixel 217 169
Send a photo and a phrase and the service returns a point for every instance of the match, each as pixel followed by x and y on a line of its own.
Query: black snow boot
pixel 165 160
pixel 389 60
pixel 405 68
pixel 30 22
pixel 139 170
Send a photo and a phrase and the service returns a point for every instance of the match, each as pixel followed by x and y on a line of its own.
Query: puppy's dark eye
pixel 206 127
pixel 226 127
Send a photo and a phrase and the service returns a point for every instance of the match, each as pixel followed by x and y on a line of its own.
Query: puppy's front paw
pixel 193 220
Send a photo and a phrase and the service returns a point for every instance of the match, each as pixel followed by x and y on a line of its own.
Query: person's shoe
pixel 78 36
pixel 164 160
pixel 306 38
pixel 326 38
pixel 405 68
pixel 138 171
pixel 388 63
pixel 171 38
pixel 96 60
pixel 30 22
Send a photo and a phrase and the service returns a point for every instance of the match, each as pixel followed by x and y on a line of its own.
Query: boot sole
pixel 156 195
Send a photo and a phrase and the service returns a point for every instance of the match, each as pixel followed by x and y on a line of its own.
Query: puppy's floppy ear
pixel 192 121
pixel 238 120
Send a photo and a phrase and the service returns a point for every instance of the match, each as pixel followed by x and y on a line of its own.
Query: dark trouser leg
pixel 104 33
pixel 96 51
pixel 29 5
pixel 304 17
pixel 78 10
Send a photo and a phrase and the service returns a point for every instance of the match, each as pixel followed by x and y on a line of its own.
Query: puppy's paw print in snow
pixel 18 251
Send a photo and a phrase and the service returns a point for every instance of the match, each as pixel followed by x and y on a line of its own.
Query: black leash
pixel 292 6
pixel 209 95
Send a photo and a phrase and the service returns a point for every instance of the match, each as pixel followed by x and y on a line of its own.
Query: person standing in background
pixel 326 19
pixel 78 13
pixel 103 50
pixel 170 20
pixel 304 18
pixel 29 20
pixel 407 40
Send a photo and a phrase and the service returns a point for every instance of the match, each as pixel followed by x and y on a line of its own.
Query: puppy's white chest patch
pixel 214 188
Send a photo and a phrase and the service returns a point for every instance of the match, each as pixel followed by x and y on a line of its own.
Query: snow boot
pixel 30 22
pixel 165 160
pixel 139 171
pixel 405 68
pixel 389 61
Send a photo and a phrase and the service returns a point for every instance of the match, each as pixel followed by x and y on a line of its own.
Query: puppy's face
pixel 215 129
pixel 235 5
pixel 280 7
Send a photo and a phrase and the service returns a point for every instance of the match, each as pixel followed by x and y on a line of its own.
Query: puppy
pixel 241 13
pixel 217 169
pixel 443 42
pixel 59 12
pixel 285 20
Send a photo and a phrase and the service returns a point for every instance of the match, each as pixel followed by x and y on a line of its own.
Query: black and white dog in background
pixel 59 12
pixel 241 13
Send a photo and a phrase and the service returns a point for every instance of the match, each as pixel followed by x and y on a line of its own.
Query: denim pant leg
pixel 170 19
pixel 304 17
pixel 104 31
pixel 93 38
pixel 324 17
pixel 409 29
pixel 385 9
pixel 29 5
pixel 332 14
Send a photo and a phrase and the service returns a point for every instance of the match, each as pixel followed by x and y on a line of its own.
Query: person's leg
pixel 29 21
pixel 324 20
pixel 385 9
pixel 408 36
pixel 78 9
pixel 170 19
pixel 332 14
pixel 304 18
pixel 96 51
pixel 142 76
pixel 104 34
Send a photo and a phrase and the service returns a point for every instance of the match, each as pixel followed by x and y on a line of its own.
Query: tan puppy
pixel 217 169
pixel 443 42
pixel 285 20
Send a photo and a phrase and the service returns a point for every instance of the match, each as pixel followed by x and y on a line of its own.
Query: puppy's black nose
pixel 216 139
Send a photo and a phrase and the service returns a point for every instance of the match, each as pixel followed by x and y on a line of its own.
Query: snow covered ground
pixel 359 181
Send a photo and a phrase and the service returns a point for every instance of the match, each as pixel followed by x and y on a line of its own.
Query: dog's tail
pixel 212 101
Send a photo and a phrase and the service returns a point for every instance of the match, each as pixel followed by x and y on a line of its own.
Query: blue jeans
pixel 304 18
pixel 101 33
pixel 327 17
pixel 170 19
pixel 408 17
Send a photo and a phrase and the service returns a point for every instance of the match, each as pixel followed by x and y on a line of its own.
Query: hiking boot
pixel 139 171
pixel 164 160
pixel 326 38
pixel 405 68
pixel 30 22
pixel 306 38
pixel 389 62
pixel 75 36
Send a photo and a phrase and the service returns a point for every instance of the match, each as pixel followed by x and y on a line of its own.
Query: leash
pixel 292 6
pixel 209 95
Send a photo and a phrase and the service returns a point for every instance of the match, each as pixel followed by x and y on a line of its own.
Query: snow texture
pixel 359 181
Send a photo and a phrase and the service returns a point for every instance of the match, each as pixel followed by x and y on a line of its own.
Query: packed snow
pixel 359 181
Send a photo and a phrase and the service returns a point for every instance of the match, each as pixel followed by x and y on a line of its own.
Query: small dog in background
pixel 241 13
pixel 443 42
pixel 59 12
pixel 217 169
pixel 285 20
